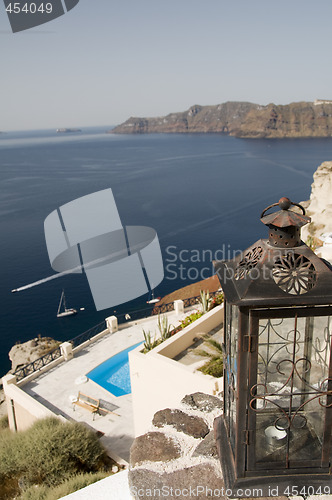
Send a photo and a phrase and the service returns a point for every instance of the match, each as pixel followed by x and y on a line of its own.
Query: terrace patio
pixel 58 386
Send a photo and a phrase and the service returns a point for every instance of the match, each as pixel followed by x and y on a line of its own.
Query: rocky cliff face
pixel 22 354
pixel 196 119
pixel 320 204
pixel 240 119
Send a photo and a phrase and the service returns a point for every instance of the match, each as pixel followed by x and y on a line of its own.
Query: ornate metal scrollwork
pixel 249 262
pixel 261 396
pixel 294 273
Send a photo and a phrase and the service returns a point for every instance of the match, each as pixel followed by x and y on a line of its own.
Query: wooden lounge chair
pixel 87 402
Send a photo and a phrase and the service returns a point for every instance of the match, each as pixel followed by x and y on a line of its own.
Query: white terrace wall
pixel 23 410
pixel 158 382
pixel 185 338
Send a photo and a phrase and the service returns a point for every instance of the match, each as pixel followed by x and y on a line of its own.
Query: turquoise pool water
pixel 113 375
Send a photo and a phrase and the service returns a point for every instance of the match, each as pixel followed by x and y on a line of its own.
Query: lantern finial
pixel 284 225
pixel 284 203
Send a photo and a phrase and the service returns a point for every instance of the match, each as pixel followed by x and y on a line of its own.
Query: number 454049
pixel 307 490
pixel 31 8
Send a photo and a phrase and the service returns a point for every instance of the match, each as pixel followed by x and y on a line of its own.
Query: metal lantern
pixel 275 430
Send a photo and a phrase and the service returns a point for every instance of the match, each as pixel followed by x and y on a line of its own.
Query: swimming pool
pixel 113 374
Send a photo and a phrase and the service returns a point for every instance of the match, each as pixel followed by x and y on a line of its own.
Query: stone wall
pixel 178 457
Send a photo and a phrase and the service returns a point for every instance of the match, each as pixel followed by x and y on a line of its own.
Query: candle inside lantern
pixel 274 436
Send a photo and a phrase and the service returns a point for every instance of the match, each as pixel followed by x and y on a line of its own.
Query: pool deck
pixel 57 387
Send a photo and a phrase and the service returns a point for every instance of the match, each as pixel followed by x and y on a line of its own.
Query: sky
pixel 107 60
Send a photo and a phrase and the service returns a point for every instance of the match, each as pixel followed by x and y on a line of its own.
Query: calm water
pixel 200 192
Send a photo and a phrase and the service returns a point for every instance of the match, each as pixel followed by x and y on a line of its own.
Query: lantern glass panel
pixel 289 393
pixel 230 366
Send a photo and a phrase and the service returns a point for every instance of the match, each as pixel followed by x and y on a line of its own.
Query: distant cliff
pixel 241 119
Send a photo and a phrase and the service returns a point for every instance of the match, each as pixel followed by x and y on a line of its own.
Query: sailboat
pixel 153 300
pixel 65 312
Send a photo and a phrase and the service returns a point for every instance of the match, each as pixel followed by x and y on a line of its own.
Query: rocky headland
pixel 241 119
pixel 22 354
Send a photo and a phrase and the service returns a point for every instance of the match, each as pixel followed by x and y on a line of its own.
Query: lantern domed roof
pixel 280 270
pixel 285 217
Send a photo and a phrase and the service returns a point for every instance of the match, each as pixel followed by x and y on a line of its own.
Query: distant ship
pixel 64 130
pixel 65 312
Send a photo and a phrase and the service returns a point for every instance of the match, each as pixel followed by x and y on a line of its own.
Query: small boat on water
pixel 66 311
pixel 153 300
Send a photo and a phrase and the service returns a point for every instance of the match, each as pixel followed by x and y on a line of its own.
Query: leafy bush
pixel 4 422
pixel 49 452
pixel 9 454
pixel 217 300
pixel 191 318
pixel 41 492
pixel 214 366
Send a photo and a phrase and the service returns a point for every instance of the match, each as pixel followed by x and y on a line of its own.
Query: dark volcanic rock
pixel 182 422
pixel 202 402
pixel 241 119
pixel 154 447
pixel 207 447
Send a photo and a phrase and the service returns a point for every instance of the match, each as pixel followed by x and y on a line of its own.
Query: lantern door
pixel 289 404
pixel 230 346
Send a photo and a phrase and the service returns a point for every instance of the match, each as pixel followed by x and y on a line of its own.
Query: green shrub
pixel 213 367
pixel 41 492
pixel 191 318
pixel 217 300
pixel 9 454
pixel 4 422
pixel 49 452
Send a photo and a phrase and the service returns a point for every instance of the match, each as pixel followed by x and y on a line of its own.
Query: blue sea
pixel 203 194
